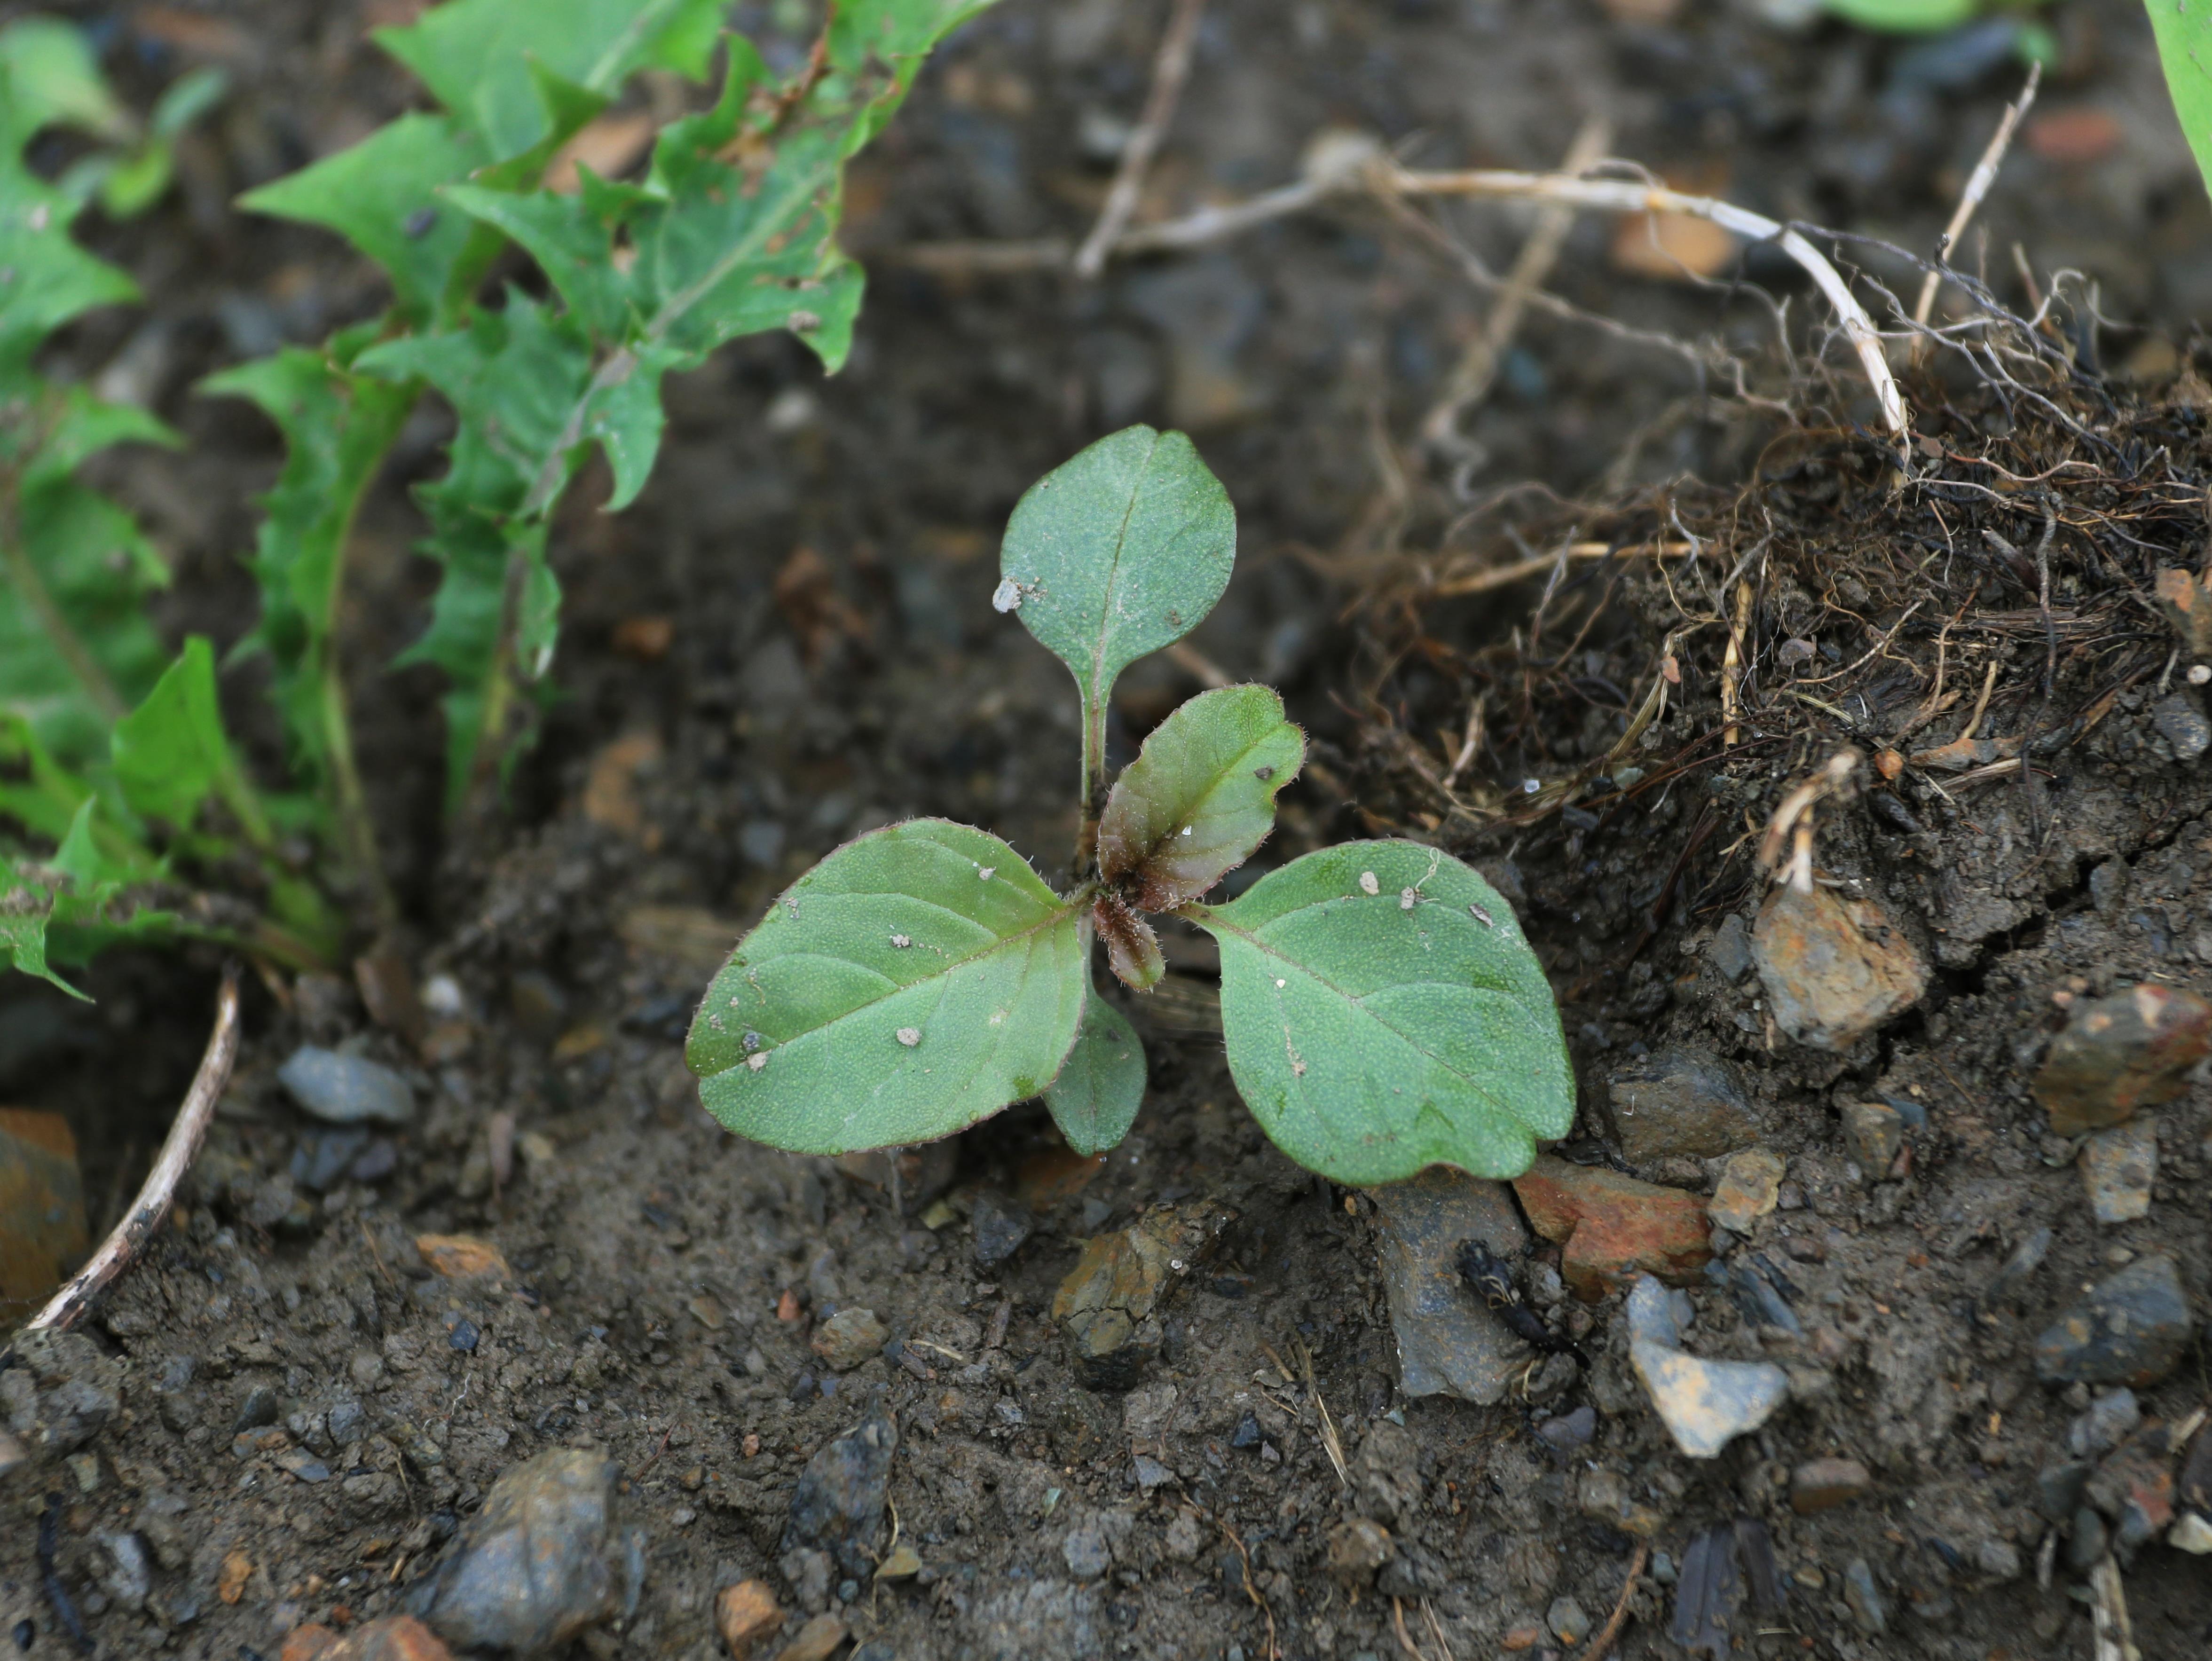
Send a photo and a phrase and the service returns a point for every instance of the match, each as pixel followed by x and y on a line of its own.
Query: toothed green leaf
pixel 338 425
pixel 475 56
pixel 917 980
pixel 380 196
pixel 1095 1100
pixel 1383 1012
pixel 1200 798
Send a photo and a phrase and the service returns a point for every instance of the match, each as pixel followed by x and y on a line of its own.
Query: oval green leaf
pixel 1383 1012
pixel 917 980
pixel 1200 798
pixel 1117 552
pixel 1095 1100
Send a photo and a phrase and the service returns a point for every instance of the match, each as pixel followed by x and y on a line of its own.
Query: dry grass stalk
pixel 159 1192
pixel 1978 187
pixel 1170 69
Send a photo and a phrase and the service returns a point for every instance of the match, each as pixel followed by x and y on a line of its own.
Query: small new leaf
pixel 917 980
pixel 1200 798
pixel 1132 951
pixel 1095 1100
pixel 1117 552
pixel 1383 1012
pixel 171 753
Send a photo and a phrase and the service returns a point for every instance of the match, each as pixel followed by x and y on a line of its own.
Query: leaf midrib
pixel 1167 836
pixel 1114 572
pixel 998 944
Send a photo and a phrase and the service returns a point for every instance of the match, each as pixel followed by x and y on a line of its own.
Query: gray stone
pixel 1572 1430
pixel 2110 1421
pixel 1704 1404
pixel 2108 886
pixel 1874 1133
pixel 1729 949
pixel 60 1391
pixel 2090 1540
pixel 346 1089
pixel 1085 1551
pixel 1448 1344
pixel 2118 1166
pixel 999 1227
pixel 548 1557
pixel 1680 1103
pixel 838 1506
pixel 2058 1489
pixel 2182 724
pixel 1865 1598
pixel 1569 1621
pixel 2131 1328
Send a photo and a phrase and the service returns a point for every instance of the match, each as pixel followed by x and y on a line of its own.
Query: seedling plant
pixel 1381 1009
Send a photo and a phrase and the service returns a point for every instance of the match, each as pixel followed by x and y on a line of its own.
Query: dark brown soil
pixel 825 552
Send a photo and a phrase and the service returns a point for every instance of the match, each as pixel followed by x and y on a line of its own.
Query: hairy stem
pixel 1093 788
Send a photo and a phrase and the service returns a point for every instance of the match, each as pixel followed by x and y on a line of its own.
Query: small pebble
pixel 850 1337
pixel 1569 1621
pixel 2118 1166
pixel 1819 1485
pixel 346 1089
pixel 1864 1598
pixel 1571 1430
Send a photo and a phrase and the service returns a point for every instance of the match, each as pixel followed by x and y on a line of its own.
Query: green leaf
pixel 1199 797
pixel 2183 30
pixel 186 99
pixel 45 279
pixel 76 648
pixel 917 980
pixel 381 195
pixel 338 425
pixel 1904 16
pixel 1383 1012
pixel 1095 1100
pixel 1117 552
pixel 52 913
pixel 54 80
pixel 476 56
pixel 171 753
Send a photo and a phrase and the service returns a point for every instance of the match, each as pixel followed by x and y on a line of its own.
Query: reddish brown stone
pixel 2119 1053
pixel 2075 136
pixel 1821 1485
pixel 816 1640
pixel 744 1614
pixel 1615 1225
pixel 1834 969
pixel 393 1638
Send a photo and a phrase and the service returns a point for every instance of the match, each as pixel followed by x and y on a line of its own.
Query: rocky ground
pixel 1861 1316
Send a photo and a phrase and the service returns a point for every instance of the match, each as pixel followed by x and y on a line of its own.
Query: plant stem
pixel 1092 794
pixel 356 832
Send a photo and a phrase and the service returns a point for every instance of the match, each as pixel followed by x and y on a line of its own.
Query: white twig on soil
pixel 1629 196
pixel 129 1237
pixel 1978 187
pixel 1343 164
pixel 1170 69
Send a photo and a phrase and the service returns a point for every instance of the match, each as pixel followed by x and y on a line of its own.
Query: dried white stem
pixel 1626 196
pixel 1978 187
pixel 1170 69
pixel 68 1306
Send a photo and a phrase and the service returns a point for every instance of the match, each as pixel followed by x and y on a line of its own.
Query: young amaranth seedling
pixel 1381 1009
